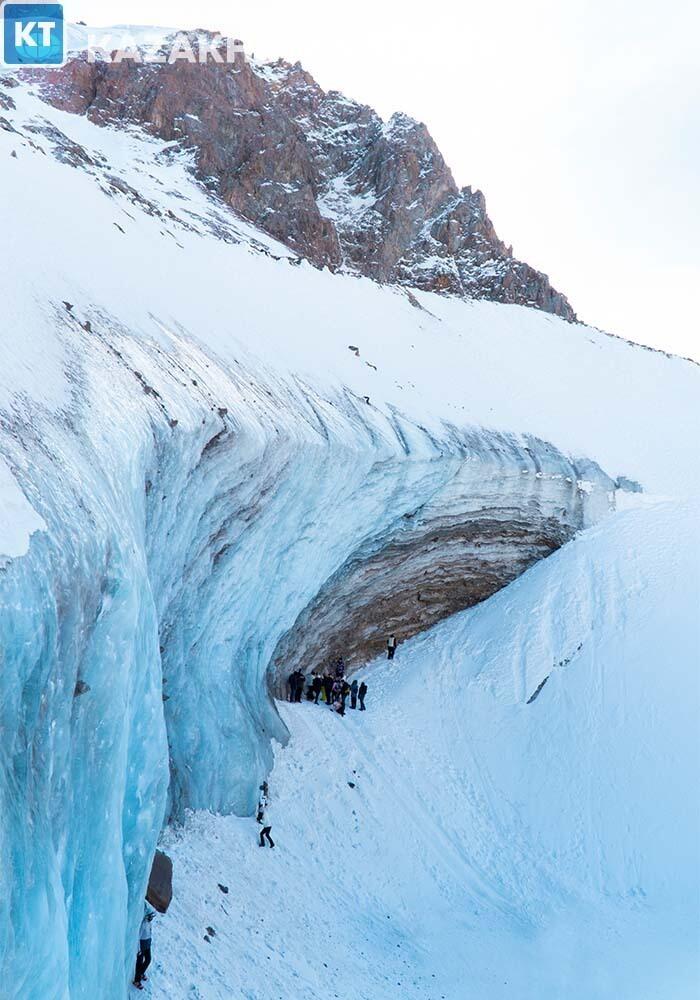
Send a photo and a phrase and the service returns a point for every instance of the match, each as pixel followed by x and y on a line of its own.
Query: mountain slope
pixel 315 170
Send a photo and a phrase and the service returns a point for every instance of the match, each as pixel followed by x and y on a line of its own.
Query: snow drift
pixel 201 458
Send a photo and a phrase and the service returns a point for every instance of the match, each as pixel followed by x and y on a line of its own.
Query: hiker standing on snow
pixel 292 686
pixel 301 681
pixel 317 684
pixel 390 647
pixel 328 688
pixel 143 959
pixel 337 701
pixel 263 816
pixel 353 694
pixel 362 694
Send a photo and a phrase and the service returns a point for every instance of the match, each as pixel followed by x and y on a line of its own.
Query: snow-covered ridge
pixel 511 369
pixel 210 430
pixel 279 150
pixel 148 38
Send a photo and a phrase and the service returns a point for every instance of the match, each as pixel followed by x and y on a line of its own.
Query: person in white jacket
pixel 143 959
pixel 263 816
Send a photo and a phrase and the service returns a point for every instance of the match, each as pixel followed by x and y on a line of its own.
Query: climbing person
pixel 143 958
pixel 328 689
pixel 353 694
pixel 316 686
pixel 340 668
pixel 390 647
pixel 362 694
pixel 263 816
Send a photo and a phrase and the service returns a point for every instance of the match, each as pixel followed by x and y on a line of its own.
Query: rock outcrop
pixel 321 173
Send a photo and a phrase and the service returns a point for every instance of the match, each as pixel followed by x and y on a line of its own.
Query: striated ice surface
pixel 191 515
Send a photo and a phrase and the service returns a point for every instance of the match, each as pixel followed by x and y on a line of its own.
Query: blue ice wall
pixel 193 511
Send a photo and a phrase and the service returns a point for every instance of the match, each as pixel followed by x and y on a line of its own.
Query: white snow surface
pixel 18 519
pixel 490 848
pixel 466 363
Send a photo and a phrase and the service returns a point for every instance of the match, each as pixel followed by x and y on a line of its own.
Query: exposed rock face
pixel 321 173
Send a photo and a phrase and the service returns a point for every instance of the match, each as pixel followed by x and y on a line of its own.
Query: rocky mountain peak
pixel 323 174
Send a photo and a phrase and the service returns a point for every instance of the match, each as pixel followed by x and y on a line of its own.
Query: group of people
pixel 330 688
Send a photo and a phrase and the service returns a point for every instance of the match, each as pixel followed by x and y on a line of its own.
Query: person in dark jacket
pixel 337 700
pixel 362 694
pixel 390 647
pixel 328 689
pixel 340 668
pixel 316 687
pixel 292 686
pixel 143 958
pixel 353 694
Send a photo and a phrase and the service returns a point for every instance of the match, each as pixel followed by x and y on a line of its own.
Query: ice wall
pixel 193 511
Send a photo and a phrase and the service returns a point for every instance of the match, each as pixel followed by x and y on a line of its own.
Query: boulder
pixel 160 884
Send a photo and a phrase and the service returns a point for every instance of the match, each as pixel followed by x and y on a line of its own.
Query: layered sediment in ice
pixel 505 504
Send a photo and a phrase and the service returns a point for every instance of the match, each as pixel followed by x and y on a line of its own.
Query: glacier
pixel 184 535
pixel 208 457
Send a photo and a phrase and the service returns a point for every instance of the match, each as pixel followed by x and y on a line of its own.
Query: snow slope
pixel 510 368
pixel 491 847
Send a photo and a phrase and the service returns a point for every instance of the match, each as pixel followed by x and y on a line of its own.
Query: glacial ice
pixel 186 531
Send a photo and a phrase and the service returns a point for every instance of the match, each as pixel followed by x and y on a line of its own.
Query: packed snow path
pixel 489 848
